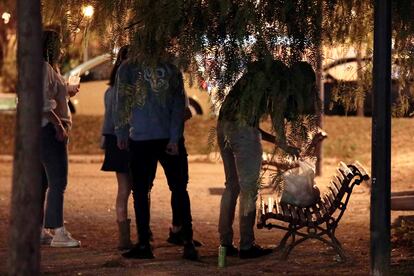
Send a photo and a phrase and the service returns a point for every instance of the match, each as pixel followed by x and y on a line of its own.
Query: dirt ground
pixel 90 217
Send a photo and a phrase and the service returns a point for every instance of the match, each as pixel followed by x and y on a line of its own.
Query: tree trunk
pixel 381 141
pixel 320 86
pixel 24 237
pixel 360 98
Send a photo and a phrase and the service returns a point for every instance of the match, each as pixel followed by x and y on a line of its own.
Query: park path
pixel 90 216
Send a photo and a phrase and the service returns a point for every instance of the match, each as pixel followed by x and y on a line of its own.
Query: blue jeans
pixel 241 151
pixel 54 159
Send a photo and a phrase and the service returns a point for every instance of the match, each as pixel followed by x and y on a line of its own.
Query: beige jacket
pixel 55 96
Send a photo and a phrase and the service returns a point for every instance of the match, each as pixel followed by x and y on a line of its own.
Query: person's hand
pixel 187 114
pixel 293 151
pixel 102 144
pixel 172 149
pixel 73 90
pixel 61 133
pixel 122 144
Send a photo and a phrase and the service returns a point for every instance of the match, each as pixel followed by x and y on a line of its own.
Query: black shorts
pixel 116 160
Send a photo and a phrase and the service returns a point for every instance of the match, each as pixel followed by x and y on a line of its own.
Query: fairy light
pixel 6 17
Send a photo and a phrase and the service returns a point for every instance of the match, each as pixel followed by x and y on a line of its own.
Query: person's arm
pixel 61 132
pixel 72 89
pixel 278 122
pixel 266 136
pixel 49 104
pixel 107 121
pixel 121 109
pixel 187 112
pixel 177 113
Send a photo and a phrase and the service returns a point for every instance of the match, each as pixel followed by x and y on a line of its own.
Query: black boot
pixel 124 235
pixel 139 251
pixel 177 239
pixel 190 252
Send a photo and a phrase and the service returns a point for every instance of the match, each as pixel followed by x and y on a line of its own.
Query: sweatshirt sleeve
pixel 107 123
pixel 49 88
pixel 121 109
pixel 178 108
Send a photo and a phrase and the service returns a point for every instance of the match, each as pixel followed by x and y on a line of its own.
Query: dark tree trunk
pixel 320 85
pixel 381 141
pixel 24 242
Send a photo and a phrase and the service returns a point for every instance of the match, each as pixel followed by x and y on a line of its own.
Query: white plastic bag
pixel 300 189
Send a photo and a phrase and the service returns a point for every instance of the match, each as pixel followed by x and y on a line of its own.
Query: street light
pixel 87 12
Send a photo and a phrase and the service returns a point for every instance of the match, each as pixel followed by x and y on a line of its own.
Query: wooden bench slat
pixel 322 209
pixel 332 198
pixel 328 203
pixel 308 215
pixel 279 209
pixel 295 216
pixel 301 214
pixel 361 170
pixel 333 189
pixel 345 170
pixel 340 176
pixel 316 215
pixel 286 213
pixel 337 183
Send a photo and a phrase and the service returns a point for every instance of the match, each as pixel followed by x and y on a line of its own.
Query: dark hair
pixel 51 46
pixel 304 88
pixel 122 55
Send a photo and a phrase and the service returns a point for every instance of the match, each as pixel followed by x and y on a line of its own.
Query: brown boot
pixel 124 235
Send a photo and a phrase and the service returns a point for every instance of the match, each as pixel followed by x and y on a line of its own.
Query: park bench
pixel 318 221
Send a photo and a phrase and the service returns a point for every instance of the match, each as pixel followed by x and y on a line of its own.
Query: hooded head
pixel 303 94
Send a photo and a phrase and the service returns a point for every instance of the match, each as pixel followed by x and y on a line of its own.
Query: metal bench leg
pixel 334 243
pixel 335 240
pixel 282 243
pixel 292 245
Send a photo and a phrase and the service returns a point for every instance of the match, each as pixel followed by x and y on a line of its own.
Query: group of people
pixel 145 112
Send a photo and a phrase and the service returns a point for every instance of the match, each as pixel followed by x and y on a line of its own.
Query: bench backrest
pixel 336 198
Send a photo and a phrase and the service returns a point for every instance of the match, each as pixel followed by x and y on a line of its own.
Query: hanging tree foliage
pixel 227 34
pixel 350 22
pixel 222 36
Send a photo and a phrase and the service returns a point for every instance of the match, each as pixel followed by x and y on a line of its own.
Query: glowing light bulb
pixel 6 17
pixel 88 11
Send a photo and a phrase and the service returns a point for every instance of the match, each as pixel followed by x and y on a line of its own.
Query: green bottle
pixel 222 256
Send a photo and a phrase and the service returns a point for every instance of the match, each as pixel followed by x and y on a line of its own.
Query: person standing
pixel 116 160
pixel 239 140
pixel 56 124
pixel 149 119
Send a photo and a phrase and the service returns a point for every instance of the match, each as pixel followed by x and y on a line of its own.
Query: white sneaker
pixel 45 237
pixel 63 238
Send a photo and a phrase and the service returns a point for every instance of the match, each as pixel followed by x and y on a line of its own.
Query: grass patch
pixel 349 137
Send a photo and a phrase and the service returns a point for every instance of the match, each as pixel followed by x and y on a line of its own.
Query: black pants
pixel 144 157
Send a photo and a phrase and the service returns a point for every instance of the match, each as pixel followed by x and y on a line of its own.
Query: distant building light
pixel 6 17
pixel 88 11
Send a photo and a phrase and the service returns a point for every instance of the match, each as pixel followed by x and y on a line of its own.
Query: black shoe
pixel 231 250
pixel 177 239
pixel 254 252
pixel 190 252
pixel 140 251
